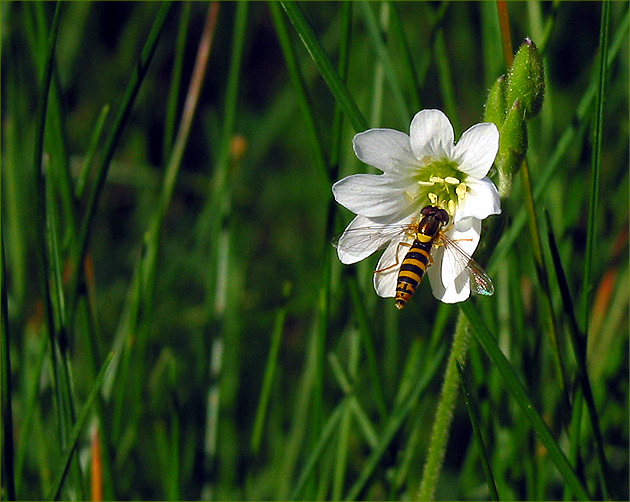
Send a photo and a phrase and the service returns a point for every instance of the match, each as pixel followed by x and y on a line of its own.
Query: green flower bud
pixel 495 108
pixel 526 79
pixel 512 148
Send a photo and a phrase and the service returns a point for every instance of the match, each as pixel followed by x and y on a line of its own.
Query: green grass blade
pixel 446 79
pixel 474 421
pixel 578 344
pixel 176 81
pixel 326 68
pixel 8 449
pixel 59 375
pixel 518 391
pixel 408 65
pixel 367 338
pixel 91 152
pixel 327 431
pixel 593 206
pixel 95 192
pixel 299 87
pixel 395 421
pixel 77 430
pixel 391 74
pixel 270 369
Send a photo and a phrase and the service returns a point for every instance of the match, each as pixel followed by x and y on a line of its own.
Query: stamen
pixel 436 179
pixel 461 190
pixel 433 198
pixel 426 183
pixel 451 206
pixel 451 180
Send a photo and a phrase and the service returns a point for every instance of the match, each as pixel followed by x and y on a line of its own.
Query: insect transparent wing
pixel 355 244
pixel 386 273
pixel 459 262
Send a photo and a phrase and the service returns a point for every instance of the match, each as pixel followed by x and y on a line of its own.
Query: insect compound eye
pixel 426 210
pixel 442 215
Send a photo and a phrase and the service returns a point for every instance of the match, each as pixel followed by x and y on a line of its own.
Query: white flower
pixel 424 168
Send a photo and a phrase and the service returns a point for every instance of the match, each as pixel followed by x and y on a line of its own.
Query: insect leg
pixel 397 260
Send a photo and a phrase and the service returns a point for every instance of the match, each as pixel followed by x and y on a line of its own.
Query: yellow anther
pixel 451 180
pixel 436 179
pixel 426 183
pixel 433 198
pixel 451 206
pixel 461 190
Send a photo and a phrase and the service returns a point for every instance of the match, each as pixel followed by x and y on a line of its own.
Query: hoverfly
pixel 405 271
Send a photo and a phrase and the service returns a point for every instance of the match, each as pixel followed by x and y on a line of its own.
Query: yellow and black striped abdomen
pixel 412 268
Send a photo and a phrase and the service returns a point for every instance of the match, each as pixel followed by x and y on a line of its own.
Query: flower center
pixel 442 184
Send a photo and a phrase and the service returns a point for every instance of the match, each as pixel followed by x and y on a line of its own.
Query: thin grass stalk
pixel 444 413
pixel 319 158
pixel 424 376
pixel 342 453
pixel 408 65
pixel 367 336
pixel 176 81
pixel 593 207
pixel 188 114
pixel 406 463
pixel 61 343
pixel 95 192
pixel 518 391
pixel 375 28
pixel 214 226
pixel 13 216
pixel 578 343
pixel 30 409
pixel 338 119
pixel 61 384
pixel 299 87
pixel 8 434
pixel 299 424
pixel 96 467
pixel 325 66
pixel 56 137
pixel 270 371
pixel 378 89
pixel 446 78
pixel 474 421
pixel 88 312
pixel 97 133
pixel 344 437
pixel 70 448
pixel 506 35
pixel 327 432
pixel 575 435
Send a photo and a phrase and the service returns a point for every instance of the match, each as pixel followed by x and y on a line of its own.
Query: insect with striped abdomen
pixel 422 239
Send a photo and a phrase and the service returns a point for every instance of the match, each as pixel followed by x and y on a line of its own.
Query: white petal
pixel 385 282
pixel 431 135
pixel 481 200
pixel 476 149
pixel 373 195
pixel 363 236
pixel 448 277
pixel 354 245
pixel 385 149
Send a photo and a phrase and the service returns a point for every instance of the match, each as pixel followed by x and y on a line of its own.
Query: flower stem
pixel 444 413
